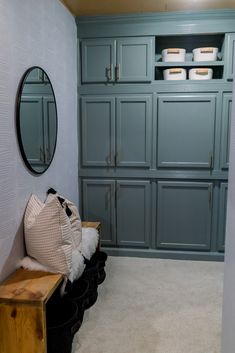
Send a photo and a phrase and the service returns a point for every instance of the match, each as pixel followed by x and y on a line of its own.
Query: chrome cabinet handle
pixel 117 192
pixel 42 155
pixel 116 158
pixel 210 160
pixel 48 154
pixel 108 159
pixel 117 72
pixel 109 72
pixel 210 195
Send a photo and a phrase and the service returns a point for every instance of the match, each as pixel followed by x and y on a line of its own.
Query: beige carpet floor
pixel 155 306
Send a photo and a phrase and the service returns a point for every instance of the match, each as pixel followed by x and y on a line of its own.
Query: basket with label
pixel 174 74
pixel 173 54
pixel 200 74
pixel 205 54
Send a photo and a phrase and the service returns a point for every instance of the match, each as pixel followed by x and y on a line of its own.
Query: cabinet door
pixel 32 129
pixel 186 130
pixel 99 205
pixel 133 213
pixel 134 117
pixel 98 59
pixel 98 140
pixel 226 122
pixel 229 55
pixel 35 76
pixel 134 59
pixel 184 215
pixel 50 126
pixel 222 215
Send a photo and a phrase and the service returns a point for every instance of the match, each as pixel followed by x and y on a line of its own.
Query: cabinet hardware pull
pixel 109 73
pixel 210 195
pixel 42 155
pixel 111 69
pixel 117 192
pixel 210 160
pixel 116 158
pixel 108 159
pixel 117 74
pixel 48 154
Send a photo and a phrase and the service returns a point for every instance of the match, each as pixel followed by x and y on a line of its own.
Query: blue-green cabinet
pixel 225 132
pixel 99 205
pixel 134 59
pixel 123 208
pixel 186 130
pixel 117 60
pixel 222 215
pixel 98 130
pixel 184 213
pixel 38 127
pixel 116 132
pixel 98 56
pixel 230 51
pixel 32 129
pixel 133 213
pixel 133 134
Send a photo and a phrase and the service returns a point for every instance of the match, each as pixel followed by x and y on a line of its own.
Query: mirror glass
pixel 36 120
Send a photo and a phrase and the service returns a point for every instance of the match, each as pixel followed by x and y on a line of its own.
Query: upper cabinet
pixel 225 132
pixel 117 60
pixel 116 131
pixel 186 130
pixel 230 47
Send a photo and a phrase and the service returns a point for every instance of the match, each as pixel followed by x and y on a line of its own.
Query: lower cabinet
pixel 123 208
pixel 222 215
pixel 99 205
pixel 184 213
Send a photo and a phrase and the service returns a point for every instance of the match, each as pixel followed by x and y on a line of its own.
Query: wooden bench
pixel 23 298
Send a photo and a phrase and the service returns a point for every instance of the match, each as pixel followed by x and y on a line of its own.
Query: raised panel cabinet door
pixel 134 59
pixel 98 131
pixel 222 215
pixel 133 133
pixel 98 60
pixel 50 126
pixel 35 76
pixel 226 123
pixel 184 212
pixel 229 55
pixel 32 129
pixel 133 213
pixel 186 130
pixel 99 206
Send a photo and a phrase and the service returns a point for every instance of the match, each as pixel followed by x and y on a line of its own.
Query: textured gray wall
pixel 39 33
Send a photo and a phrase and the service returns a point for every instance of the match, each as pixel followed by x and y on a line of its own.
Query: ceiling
pixel 105 7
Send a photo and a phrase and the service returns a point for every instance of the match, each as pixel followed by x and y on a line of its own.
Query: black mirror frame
pixel 18 101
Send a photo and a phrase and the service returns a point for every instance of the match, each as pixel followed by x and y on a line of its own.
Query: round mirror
pixel 36 120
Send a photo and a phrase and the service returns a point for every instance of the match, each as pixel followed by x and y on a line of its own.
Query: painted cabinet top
pixel 209 21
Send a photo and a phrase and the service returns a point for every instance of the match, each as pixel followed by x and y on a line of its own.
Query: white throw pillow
pixel 74 218
pixel 48 234
pixel 76 224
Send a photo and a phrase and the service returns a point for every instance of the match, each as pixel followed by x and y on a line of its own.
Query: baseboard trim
pixel 164 254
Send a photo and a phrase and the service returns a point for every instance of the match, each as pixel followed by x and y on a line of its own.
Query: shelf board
pixel 189 64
